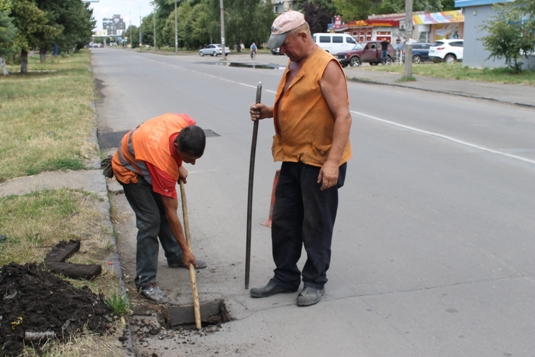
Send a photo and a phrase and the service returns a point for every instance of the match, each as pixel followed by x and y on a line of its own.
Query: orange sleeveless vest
pixel 149 142
pixel 306 122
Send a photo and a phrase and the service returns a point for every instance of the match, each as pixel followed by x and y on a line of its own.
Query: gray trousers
pixel 152 225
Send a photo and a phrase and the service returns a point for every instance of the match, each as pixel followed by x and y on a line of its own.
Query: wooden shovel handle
pixel 194 291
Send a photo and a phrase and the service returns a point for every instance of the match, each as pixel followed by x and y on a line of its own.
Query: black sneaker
pixel 152 292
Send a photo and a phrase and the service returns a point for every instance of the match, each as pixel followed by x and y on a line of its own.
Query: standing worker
pixel 312 123
pixel 384 51
pixel 148 165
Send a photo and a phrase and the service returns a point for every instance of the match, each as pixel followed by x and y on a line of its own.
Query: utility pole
pixel 408 39
pixel 130 30
pixel 223 53
pixel 154 18
pixel 176 31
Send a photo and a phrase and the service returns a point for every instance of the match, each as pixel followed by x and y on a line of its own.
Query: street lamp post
pixel 140 33
pixel 223 53
pixel 130 29
pixel 408 39
pixel 154 18
pixel 140 26
pixel 176 31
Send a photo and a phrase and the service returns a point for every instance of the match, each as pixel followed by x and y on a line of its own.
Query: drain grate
pixel 110 140
pixel 212 313
pixel 113 139
pixel 210 134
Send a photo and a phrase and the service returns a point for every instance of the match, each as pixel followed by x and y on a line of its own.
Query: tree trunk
pixel 3 65
pixel 42 54
pixel 24 61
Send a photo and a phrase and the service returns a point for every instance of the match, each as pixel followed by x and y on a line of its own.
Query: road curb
pixel 115 258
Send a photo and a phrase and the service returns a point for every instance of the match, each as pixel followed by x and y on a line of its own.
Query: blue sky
pixel 130 10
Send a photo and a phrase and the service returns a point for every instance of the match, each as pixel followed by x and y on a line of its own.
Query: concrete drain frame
pixel 212 313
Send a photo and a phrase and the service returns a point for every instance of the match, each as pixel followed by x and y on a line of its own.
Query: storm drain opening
pixel 212 313
pixel 110 140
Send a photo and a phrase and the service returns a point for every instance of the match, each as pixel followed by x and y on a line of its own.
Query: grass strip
pixel 457 71
pixel 32 223
pixel 47 117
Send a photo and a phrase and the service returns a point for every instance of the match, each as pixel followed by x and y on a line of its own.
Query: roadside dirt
pixel 36 303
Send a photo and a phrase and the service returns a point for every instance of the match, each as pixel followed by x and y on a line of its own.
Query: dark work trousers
pixel 152 224
pixel 303 215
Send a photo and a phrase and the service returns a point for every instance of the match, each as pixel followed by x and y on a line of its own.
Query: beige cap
pixel 283 24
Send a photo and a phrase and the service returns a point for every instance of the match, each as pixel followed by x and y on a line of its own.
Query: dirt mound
pixel 36 305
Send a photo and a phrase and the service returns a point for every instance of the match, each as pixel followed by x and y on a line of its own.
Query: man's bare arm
pixel 334 89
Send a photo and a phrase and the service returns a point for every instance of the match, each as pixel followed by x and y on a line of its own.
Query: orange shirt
pixel 304 131
pixel 148 150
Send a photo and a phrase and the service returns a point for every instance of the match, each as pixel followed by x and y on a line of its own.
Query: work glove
pixel 105 165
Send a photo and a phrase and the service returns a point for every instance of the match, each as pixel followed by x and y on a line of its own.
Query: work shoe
pixel 270 289
pixel 309 296
pixel 201 264
pixel 152 292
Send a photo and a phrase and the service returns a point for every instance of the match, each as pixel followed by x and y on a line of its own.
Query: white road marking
pixel 475 146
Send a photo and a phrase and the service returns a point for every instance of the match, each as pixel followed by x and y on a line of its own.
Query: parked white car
pixel 213 49
pixel 448 51
pixel 334 43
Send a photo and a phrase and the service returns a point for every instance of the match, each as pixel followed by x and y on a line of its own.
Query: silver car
pixel 213 49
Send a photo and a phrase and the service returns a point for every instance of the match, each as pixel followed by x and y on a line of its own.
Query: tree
pixel 511 33
pixel 398 6
pixel 76 19
pixel 248 21
pixel 68 25
pixel 318 13
pixel 356 9
pixel 31 22
pixel 146 30
pixel 7 37
pixel 132 32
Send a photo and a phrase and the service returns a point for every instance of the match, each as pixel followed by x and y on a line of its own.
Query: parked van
pixel 334 42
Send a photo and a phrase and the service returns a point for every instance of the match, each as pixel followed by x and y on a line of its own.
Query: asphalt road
pixel 434 240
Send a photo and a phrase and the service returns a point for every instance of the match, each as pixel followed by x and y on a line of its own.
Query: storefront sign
pixel 438 17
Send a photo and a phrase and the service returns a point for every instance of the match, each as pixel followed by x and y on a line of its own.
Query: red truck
pixel 365 52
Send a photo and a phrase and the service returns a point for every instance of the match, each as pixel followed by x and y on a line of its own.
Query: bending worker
pixel 312 123
pixel 148 165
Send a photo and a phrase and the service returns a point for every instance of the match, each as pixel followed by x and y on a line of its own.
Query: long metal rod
pixel 250 195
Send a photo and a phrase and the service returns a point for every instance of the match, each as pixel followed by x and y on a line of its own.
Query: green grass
pixel 48 123
pixel 457 71
pixel 46 116
pixel 33 222
pixel 120 305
